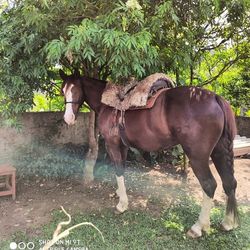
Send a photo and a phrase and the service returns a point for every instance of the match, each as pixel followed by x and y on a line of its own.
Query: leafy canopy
pixel 195 42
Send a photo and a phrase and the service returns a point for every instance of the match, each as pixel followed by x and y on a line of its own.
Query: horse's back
pixel 194 116
pixel 182 115
pixel 191 102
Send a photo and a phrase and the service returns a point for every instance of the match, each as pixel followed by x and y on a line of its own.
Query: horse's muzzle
pixel 70 119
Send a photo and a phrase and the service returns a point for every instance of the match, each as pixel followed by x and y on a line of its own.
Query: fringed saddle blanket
pixel 135 94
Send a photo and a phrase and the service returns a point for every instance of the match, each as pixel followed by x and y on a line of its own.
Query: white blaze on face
pixel 69 116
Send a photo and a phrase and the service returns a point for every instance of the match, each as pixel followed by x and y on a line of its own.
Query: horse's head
pixel 72 90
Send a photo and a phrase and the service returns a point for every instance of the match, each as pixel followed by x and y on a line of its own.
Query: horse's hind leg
pixel 222 157
pixel 202 171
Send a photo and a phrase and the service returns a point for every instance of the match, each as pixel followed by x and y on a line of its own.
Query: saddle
pixel 136 95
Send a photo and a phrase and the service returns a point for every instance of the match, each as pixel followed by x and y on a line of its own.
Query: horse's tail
pixel 230 129
pixel 226 139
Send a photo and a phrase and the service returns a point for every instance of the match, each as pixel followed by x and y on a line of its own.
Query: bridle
pixel 79 102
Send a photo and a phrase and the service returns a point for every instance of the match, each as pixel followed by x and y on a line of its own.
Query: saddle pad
pixel 135 95
pixel 151 101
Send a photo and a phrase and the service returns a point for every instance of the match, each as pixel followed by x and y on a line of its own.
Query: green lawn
pixel 143 230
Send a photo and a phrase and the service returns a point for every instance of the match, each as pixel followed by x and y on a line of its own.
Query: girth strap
pixel 122 129
pixel 117 127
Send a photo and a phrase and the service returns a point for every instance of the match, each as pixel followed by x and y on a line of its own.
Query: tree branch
pixel 224 69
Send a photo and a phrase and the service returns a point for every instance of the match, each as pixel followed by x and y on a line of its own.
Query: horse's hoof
pixel 206 228
pixel 88 177
pixel 118 212
pixel 224 227
pixel 89 183
pixel 192 234
pixel 228 226
pixel 121 209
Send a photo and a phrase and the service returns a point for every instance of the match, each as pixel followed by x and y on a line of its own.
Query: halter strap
pixel 73 102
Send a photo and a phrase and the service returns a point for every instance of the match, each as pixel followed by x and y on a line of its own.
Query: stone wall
pixel 42 127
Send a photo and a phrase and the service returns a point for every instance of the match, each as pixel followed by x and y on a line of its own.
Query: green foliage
pixel 233 84
pixel 177 153
pixel 190 29
pixel 46 103
pixel 22 65
pixel 115 48
pixel 119 39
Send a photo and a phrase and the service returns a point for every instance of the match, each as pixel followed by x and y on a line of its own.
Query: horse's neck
pixel 93 89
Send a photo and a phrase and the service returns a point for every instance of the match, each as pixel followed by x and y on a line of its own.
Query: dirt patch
pixel 146 189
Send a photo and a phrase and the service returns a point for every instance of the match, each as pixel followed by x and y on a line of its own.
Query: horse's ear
pixel 62 74
pixel 77 73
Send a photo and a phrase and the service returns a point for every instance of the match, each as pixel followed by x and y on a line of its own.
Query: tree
pixel 186 31
pixel 100 42
pixel 101 47
pixel 116 40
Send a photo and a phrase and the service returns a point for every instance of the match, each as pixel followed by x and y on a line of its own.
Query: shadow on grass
pixel 142 230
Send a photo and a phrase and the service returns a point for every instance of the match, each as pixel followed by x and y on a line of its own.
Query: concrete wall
pixel 49 128
pixel 243 125
pixel 42 127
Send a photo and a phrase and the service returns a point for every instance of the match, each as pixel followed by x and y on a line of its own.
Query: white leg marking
pixel 121 192
pixel 118 192
pixel 203 222
pixel 228 222
pixel 69 116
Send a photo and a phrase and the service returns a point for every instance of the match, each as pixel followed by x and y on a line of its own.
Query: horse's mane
pixel 88 79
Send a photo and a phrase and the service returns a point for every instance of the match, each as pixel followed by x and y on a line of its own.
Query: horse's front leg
pixel 122 206
pixel 118 155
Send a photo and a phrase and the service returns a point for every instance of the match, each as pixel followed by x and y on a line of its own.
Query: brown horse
pixel 201 121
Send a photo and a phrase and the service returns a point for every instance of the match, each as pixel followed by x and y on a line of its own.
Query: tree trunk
pixel 191 69
pixel 191 75
pixel 92 154
pixel 177 76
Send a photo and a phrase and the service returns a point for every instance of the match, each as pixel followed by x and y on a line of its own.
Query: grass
pixel 143 230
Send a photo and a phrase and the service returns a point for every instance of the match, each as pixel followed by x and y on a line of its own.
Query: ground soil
pixel 149 189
